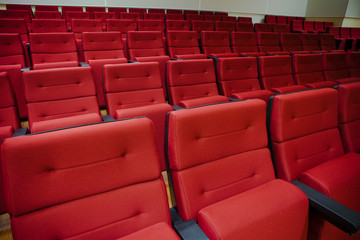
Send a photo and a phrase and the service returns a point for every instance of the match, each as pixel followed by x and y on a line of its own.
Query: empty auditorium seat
pixel 353 61
pixel 291 42
pixel 244 43
pixel 327 42
pixel 228 18
pixel 309 26
pixel 355 33
pixel 289 19
pixel 102 48
pixel 53 50
pixel 92 10
pixel 225 26
pixel 151 25
pixel 15 26
pixel 269 43
pixel 184 45
pixel 262 27
pixel 134 90
pixel 307 146
pixel 206 13
pixel 281 20
pixel 192 83
pixel 137 10
pixel 47 15
pixel 319 26
pixel 178 25
pixel 212 18
pixel 20 7
pixel 154 16
pixel 17 14
pixel 153 10
pixel 276 74
pixel 70 15
pixel 328 24
pixel 310 42
pixel 48 25
pixel 280 28
pixel 46 8
pixel 335 68
pixel 8 122
pixel 174 17
pixel 216 44
pixel 117 11
pixel 121 25
pixel 334 30
pixel 131 15
pixel 221 13
pixel 65 9
pixel 244 19
pixel 195 12
pixel 103 16
pixel 203 144
pixel 174 11
pixel 58 98
pixel 12 60
pixel 244 27
pixel 111 173
pixel 192 17
pixel 308 71
pixel 148 46
pixel 349 118
pixel 297 26
pixel 200 26
pixel 238 78
pixel 270 19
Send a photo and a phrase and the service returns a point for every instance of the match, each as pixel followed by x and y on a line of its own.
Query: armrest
pixel 20 132
pixel 177 107
pixel 108 118
pixel 336 213
pixel 188 230
pixel 84 64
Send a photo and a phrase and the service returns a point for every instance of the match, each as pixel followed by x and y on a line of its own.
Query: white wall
pixel 326 8
pixel 353 9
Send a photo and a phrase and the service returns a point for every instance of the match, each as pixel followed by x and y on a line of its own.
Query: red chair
pixel 92 10
pixel 17 14
pixel 178 25
pixel 192 83
pixel 354 64
pixel 289 19
pixel 200 26
pixel 8 123
pixel 213 18
pixel 281 20
pixel 192 17
pixel 151 25
pixel 307 147
pixel 308 71
pixel 117 11
pixel 154 16
pixel 221 13
pixel 194 12
pixel 174 11
pixel 327 42
pixel 46 8
pixel 270 19
pixel 228 18
pixel 94 193
pixel 244 19
pixel 291 42
pixel 269 43
pixel 15 26
pixel 244 43
pixel 297 26
pixel 276 74
pixel 205 142
pixel 121 25
pixel 174 17
pixel 102 48
pixel 309 26
pixel 103 16
pixel 310 42
pixel 47 15
pixel 349 118
pixel 262 27
pixel 131 15
pixel 48 25
pixel 207 13
pixel 319 27
pixel 134 90
pixel 225 26
pixel 244 27
pixel 184 45
pixel 20 7
pixel 70 15
pixel 280 28
pixel 53 50
pixel 65 9
pixel 216 44
pixel 238 78
pixel 58 98
pixel 137 10
pixel 153 10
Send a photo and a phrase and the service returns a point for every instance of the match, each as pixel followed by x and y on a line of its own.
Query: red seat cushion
pixel 248 216
pixel 159 231
pixel 286 89
pixel 39 66
pixel 202 101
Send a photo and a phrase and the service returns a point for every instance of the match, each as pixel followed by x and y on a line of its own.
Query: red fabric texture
pixel 225 26
pixel 11 50
pixel 215 42
pixel 262 27
pixel 258 94
pixel 310 42
pixel 243 42
pixel 183 43
pixel 177 24
pixel 290 42
pixel 284 214
pixel 48 25
pixel 124 176
pixel 159 231
pixel 244 27
pixel 287 89
pixel 202 101
pixel 199 26
pixel 327 42
pixel 8 112
pixel 170 16
pixel 47 15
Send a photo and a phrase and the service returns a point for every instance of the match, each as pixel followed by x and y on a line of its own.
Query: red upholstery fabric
pixel 310 42
pixel 153 10
pixel 85 25
pixel 270 18
pixel 297 26
pixel 71 92
pixel 289 19
pixel 46 8
pixel 17 14
pixel 103 16
pixel 319 26
pixel 285 207
pixel 240 75
pixel 280 28
pixel 8 112
pixel 70 15
pixel 131 15
pixel 244 27
pixel 121 25
pixel 15 26
pixel 308 71
pixel 335 68
pixel 228 18
pixel 11 50
pixel 200 26
pixel 47 15
pixel 212 18
pixel 48 25
pixel 290 42
pixel 159 231
pixel 65 9
pixel 100 156
pixel 48 48
pixel 92 10
pixel 145 44
pixel 281 19
pixel 354 64
pixel 174 11
pixel 214 43
pixel 268 42
pixel 259 94
pixel 225 26
pixel 262 27
pixel 138 10
pixel 170 16
pixel 190 80
pixel 155 16
pixel 117 11
pixel 193 17
pixel 151 25
pixel 276 72
pixel 243 42
pixel 349 116
pixel 178 25
pixel 183 43
pixel 202 101
pixel 134 90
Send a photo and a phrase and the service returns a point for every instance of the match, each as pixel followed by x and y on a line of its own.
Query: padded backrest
pixel 13 26
pixel 8 112
pixel 174 11
pixel 237 75
pixel 76 15
pixel 121 25
pixel 304 131
pixel 131 15
pixel 268 41
pixel 345 32
pixel 289 19
pixel 86 25
pixel 215 42
pixel 190 79
pixel 202 26
pixel 179 25
pixel 57 93
pixel 319 26
pixel 243 42
pixel 308 25
pixel 228 18
pixel 80 170
pixel 16 14
pixel 290 41
pixel 310 42
pixel 11 50
pixel 153 10
pixel 132 85
pixel 205 142
pixel 137 10
pixel 52 47
pixel 212 18
pixel 297 25
pixel 327 42
pixel 102 45
pixel 275 71
pixel 280 28
pixel 221 13
pixel 307 68
pixel 174 17
pixel 95 9
pixel 354 64
pixel 192 17
pixel 48 15
pixel 182 42
pixel 262 27
pixel 154 16
pixel 207 13
pixel 151 25
pixel 244 27
pixel 46 8
pixel 117 11
pixel 334 30
pixel 225 26
pixel 48 25
pixel 334 66
pixel 104 15
pixel 281 19
pixel 270 18
pixel 355 32
pixel 65 9
pixel 244 19
pixel 145 43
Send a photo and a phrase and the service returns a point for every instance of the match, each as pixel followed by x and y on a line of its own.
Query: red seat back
pixel 327 42
pixel 154 16
pixel 243 42
pixel 354 64
pixel 182 43
pixel 15 26
pixel 131 15
pixel 179 25
pixel 212 18
pixel 290 42
pixel 48 15
pixel 270 19
pixel 268 42
pixel 307 68
pixel 225 26
pixel 200 26
pixel 244 27
pixel 48 25
pixel 137 10
pixel 281 19
pixel 244 19
pixel 262 27
pixel 46 8
pixel 310 42
pixel 145 43
pixel 11 50
pixel 8 112
pixel 151 25
pixel 334 66
pixel 174 16
pixel 153 10
pixel 215 42
pixel 121 25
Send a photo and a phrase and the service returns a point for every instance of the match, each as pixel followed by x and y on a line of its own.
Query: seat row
pixel 273 19
pixel 220 168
